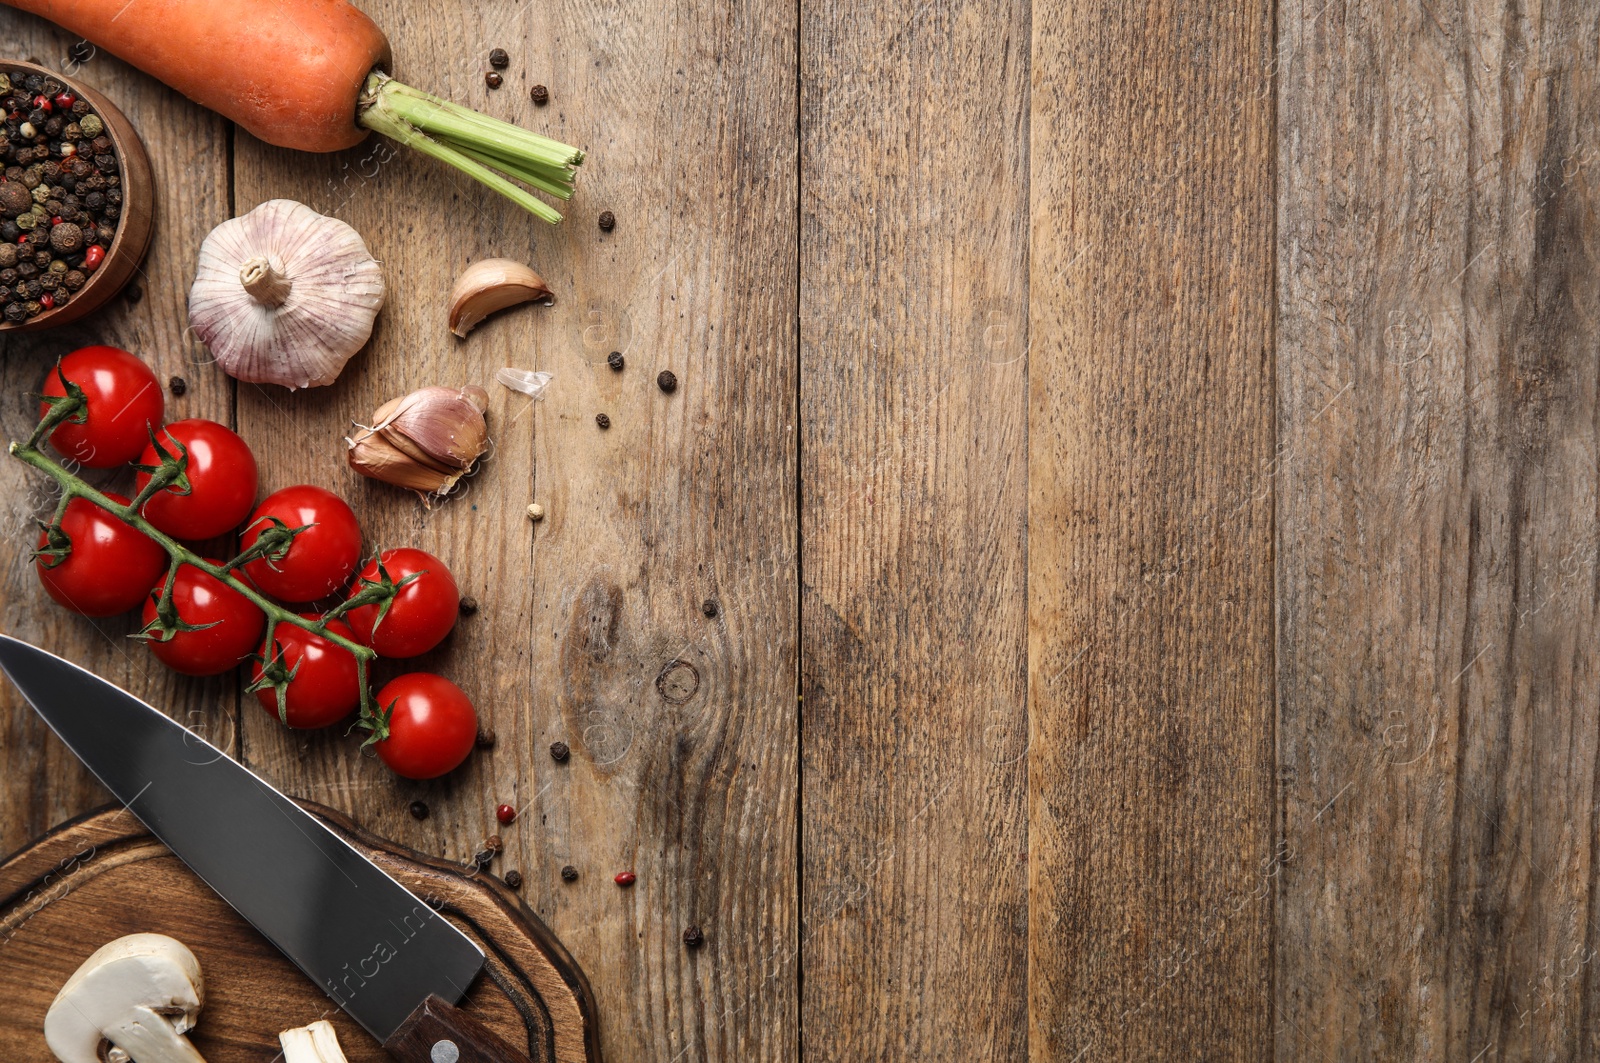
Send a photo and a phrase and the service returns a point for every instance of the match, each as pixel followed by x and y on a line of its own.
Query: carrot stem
pixel 474 144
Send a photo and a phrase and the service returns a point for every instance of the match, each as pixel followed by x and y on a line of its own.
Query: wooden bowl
pixel 138 209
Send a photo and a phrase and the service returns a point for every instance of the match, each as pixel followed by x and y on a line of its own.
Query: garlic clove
pixel 424 440
pixel 284 295
pixel 490 285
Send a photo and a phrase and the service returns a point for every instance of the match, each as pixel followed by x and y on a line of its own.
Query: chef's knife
pixel 388 959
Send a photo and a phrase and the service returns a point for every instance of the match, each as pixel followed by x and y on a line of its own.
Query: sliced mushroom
pixel 316 1043
pixel 135 998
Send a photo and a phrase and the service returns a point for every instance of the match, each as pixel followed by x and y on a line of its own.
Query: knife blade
pixel 377 950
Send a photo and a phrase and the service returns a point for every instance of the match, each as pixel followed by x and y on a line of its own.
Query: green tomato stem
pixel 72 487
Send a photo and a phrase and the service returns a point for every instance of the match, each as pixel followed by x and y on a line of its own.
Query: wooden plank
pixel 43 783
pixel 913 338
pixel 1150 517
pixel 682 726
pixel 1440 677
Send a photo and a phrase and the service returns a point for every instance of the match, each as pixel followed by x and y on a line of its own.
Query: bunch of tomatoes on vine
pixel 103 554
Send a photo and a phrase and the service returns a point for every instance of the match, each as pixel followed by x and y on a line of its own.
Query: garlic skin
pixel 490 285
pixel 424 441
pixel 284 295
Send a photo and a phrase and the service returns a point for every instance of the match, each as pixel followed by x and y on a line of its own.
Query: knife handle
pixel 438 1032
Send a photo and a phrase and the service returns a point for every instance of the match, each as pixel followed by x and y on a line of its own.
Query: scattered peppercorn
pixel 498 58
pixel 694 937
pixel 177 385
pixel 614 360
pixel 541 95
pixel 514 879
pixel 469 605
pixel 709 607
pixel 569 873
pixel 486 738
pixel 505 813
pixel 667 381
pixel 607 220
pixel 625 879
pixel 493 80
pixel 81 51
pixel 494 844
pixel 602 420
pixel 419 810
pixel 482 858
pixel 535 512
pixel 559 752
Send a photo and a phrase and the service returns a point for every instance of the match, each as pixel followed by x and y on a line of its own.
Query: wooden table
pixel 1144 461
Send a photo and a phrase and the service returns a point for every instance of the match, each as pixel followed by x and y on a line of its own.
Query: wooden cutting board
pixel 103 875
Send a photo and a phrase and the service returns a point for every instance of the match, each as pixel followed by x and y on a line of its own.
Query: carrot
pixel 310 75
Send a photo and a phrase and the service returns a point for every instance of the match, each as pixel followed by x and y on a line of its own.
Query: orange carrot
pixel 289 71
pixel 310 74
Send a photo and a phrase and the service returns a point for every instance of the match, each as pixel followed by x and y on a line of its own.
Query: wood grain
pixel 1150 531
pixel 682 726
pixel 1439 693
pixel 102 876
pixel 913 330
pixel 43 783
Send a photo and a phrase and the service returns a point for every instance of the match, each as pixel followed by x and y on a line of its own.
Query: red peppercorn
pixel 94 256
pixel 47 300
pixel 65 100
pixel 505 813
pixel 57 220
pixel 626 879
pixel 43 103
pixel 22 239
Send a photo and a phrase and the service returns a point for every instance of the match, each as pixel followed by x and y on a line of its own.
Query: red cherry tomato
pixel 326 686
pixel 321 558
pixel 110 567
pixel 125 402
pixel 432 725
pixel 420 616
pixel 235 631
pixel 222 481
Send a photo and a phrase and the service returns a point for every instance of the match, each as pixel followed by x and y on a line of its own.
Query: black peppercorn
pixel 419 809
pixel 541 95
pixel 483 858
pixel 41 259
pixel 178 386
pixel 709 607
pixel 569 873
pixel 694 937
pixel 615 361
pixel 494 844
pixel 514 879
pixel 9 276
pixel 105 163
pixel 15 312
pixel 667 381
pixel 492 79
pixel 75 279
pixel 486 738
pixel 607 221
pixel 469 605
pixel 602 420
pixel 498 58
pixel 559 752
pixel 81 52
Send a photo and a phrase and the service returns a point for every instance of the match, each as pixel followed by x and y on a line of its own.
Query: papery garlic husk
pixel 424 441
pixel 284 295
pixel 490 285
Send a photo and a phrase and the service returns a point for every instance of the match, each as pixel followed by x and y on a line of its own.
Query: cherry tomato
pixel 110 567
pixel 125 402
pixel 432 725
pixel 235 631
pixel 420 616
pixel 326 686
pixel 222 481
pixel 321 558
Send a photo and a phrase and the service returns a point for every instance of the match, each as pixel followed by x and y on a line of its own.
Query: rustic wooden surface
pixel 103 876
pixel 1145 461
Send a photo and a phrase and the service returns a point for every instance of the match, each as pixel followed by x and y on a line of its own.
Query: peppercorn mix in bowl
pixel 76 200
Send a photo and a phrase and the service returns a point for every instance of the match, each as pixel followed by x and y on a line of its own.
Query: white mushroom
pixel 316 1043
pixel 135 997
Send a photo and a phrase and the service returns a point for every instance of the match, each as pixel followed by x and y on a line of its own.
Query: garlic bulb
pixel 424 441
pixel 284 295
